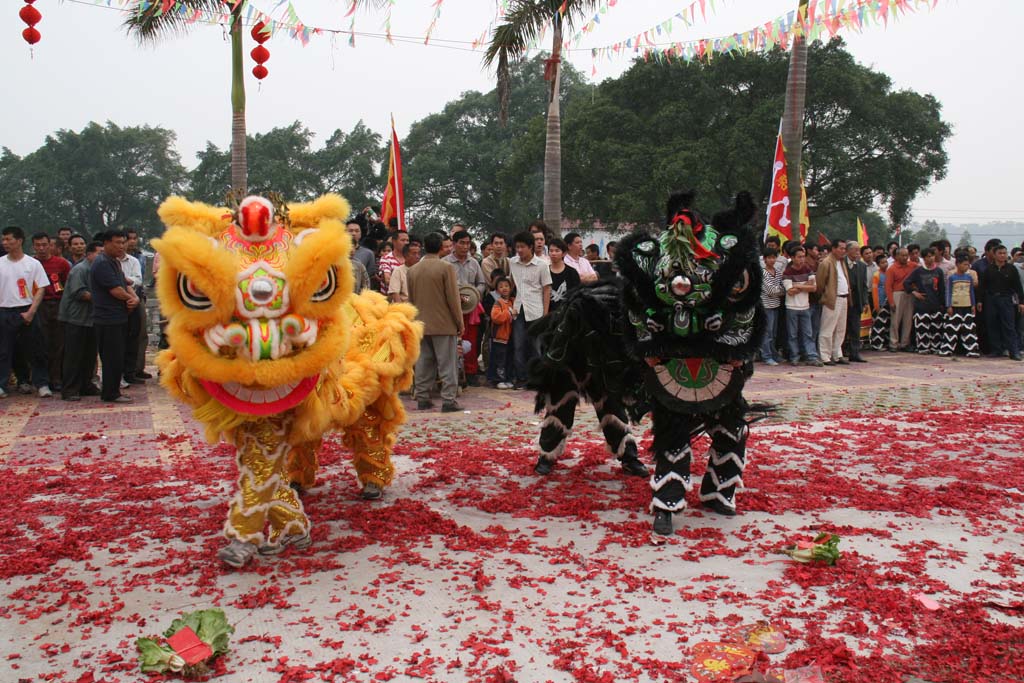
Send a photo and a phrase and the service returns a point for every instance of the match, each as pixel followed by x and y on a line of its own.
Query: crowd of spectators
pixel 824 304
pixel 75 299
pixel 476 301
pixel 71 300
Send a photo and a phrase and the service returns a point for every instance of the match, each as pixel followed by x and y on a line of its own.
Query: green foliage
pixel 460 165
pixel 930 231
pixel 712 127
pixel 843 225
pixel 283 160
pixel 101 178
pixel 965 240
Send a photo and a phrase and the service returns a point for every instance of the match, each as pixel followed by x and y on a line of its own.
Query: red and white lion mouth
pixel 251 400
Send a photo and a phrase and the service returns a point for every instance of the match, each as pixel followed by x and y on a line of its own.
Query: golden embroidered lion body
pixel 271 349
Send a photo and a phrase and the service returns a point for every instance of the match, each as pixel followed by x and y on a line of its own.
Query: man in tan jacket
pixel 435 294
pixel 833 284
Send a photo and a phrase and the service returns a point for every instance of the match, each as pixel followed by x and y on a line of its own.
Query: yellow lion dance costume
pixel 271 349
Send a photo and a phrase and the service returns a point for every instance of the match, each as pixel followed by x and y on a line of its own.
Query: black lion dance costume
pixel 675 337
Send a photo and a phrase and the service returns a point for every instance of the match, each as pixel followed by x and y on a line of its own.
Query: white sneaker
pixel 504 385
pixel 3 394
pixel 124 385
pixel 25 388
pixel 44 392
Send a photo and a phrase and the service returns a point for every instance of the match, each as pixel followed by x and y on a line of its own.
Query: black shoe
pixel 70 397
pixel 719 507
pixel 473 380
pixel 90 390
pixel 451 407
pixel 297 487
pixel 372 491
pixel 632 465
pixel 144 375
pixel 830 363
pixel 543 466
pixel 842 361
pixel 857 359
pixel 663 522
pixel 134 380
pixel 1016 356
pixel 424 405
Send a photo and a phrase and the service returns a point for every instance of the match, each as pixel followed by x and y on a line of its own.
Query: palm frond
pixel 510 41
pixel 148 22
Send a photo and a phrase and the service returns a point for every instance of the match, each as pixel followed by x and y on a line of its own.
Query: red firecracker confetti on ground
pixel 474 569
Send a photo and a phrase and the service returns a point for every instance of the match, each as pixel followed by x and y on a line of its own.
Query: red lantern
pixel 259 33
pixel 260 54
pixel 31 16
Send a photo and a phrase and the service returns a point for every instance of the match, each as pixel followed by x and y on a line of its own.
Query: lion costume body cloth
pixel 674 336
pixel 271 349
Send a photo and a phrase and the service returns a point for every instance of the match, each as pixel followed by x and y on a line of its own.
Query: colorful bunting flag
pixel 805 219
pixel 862 234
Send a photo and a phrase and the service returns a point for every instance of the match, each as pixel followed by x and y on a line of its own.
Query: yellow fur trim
pixel 312 214
pixel 203 218
pixel 308 264
pixel 213 271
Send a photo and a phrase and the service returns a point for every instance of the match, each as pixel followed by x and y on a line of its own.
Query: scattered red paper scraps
pixel 105 542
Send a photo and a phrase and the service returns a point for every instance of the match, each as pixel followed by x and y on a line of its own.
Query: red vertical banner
pixel 779 222
pixel 393 205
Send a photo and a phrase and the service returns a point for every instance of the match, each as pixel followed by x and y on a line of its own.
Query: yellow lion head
pixel 254 301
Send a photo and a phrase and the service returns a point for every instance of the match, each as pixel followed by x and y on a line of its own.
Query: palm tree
pixel 793 115
pixel 524 21
pixel 149 24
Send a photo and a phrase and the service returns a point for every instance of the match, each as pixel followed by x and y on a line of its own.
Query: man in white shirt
pixel 532 279
pixel 574 258
pixel 833 287
pixel 22 285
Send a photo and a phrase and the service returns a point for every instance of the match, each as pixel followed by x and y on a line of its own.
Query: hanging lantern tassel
pixel 31 16
pixel 260 54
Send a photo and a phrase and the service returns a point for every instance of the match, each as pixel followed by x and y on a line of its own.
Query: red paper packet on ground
pixel 759 637
pixel 188 646
pixel 714 662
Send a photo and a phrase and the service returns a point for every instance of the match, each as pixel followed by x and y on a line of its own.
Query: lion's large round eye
pixel 191 296
pixel 327 287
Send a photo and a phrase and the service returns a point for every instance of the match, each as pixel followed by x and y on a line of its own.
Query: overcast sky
pixel 965 53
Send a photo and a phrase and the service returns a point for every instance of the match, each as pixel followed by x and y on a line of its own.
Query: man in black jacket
pixel 1001 291
pixel 859 297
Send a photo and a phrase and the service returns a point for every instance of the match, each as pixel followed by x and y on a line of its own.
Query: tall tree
pixel 864 143
pixel 100 178
pixel 460 165
pixel 525 20
pixel 283 160
pixel 965 240
pixel 151 21
pixel 793 113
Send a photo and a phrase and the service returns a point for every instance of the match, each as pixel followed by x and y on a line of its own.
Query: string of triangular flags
pixel 823 18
